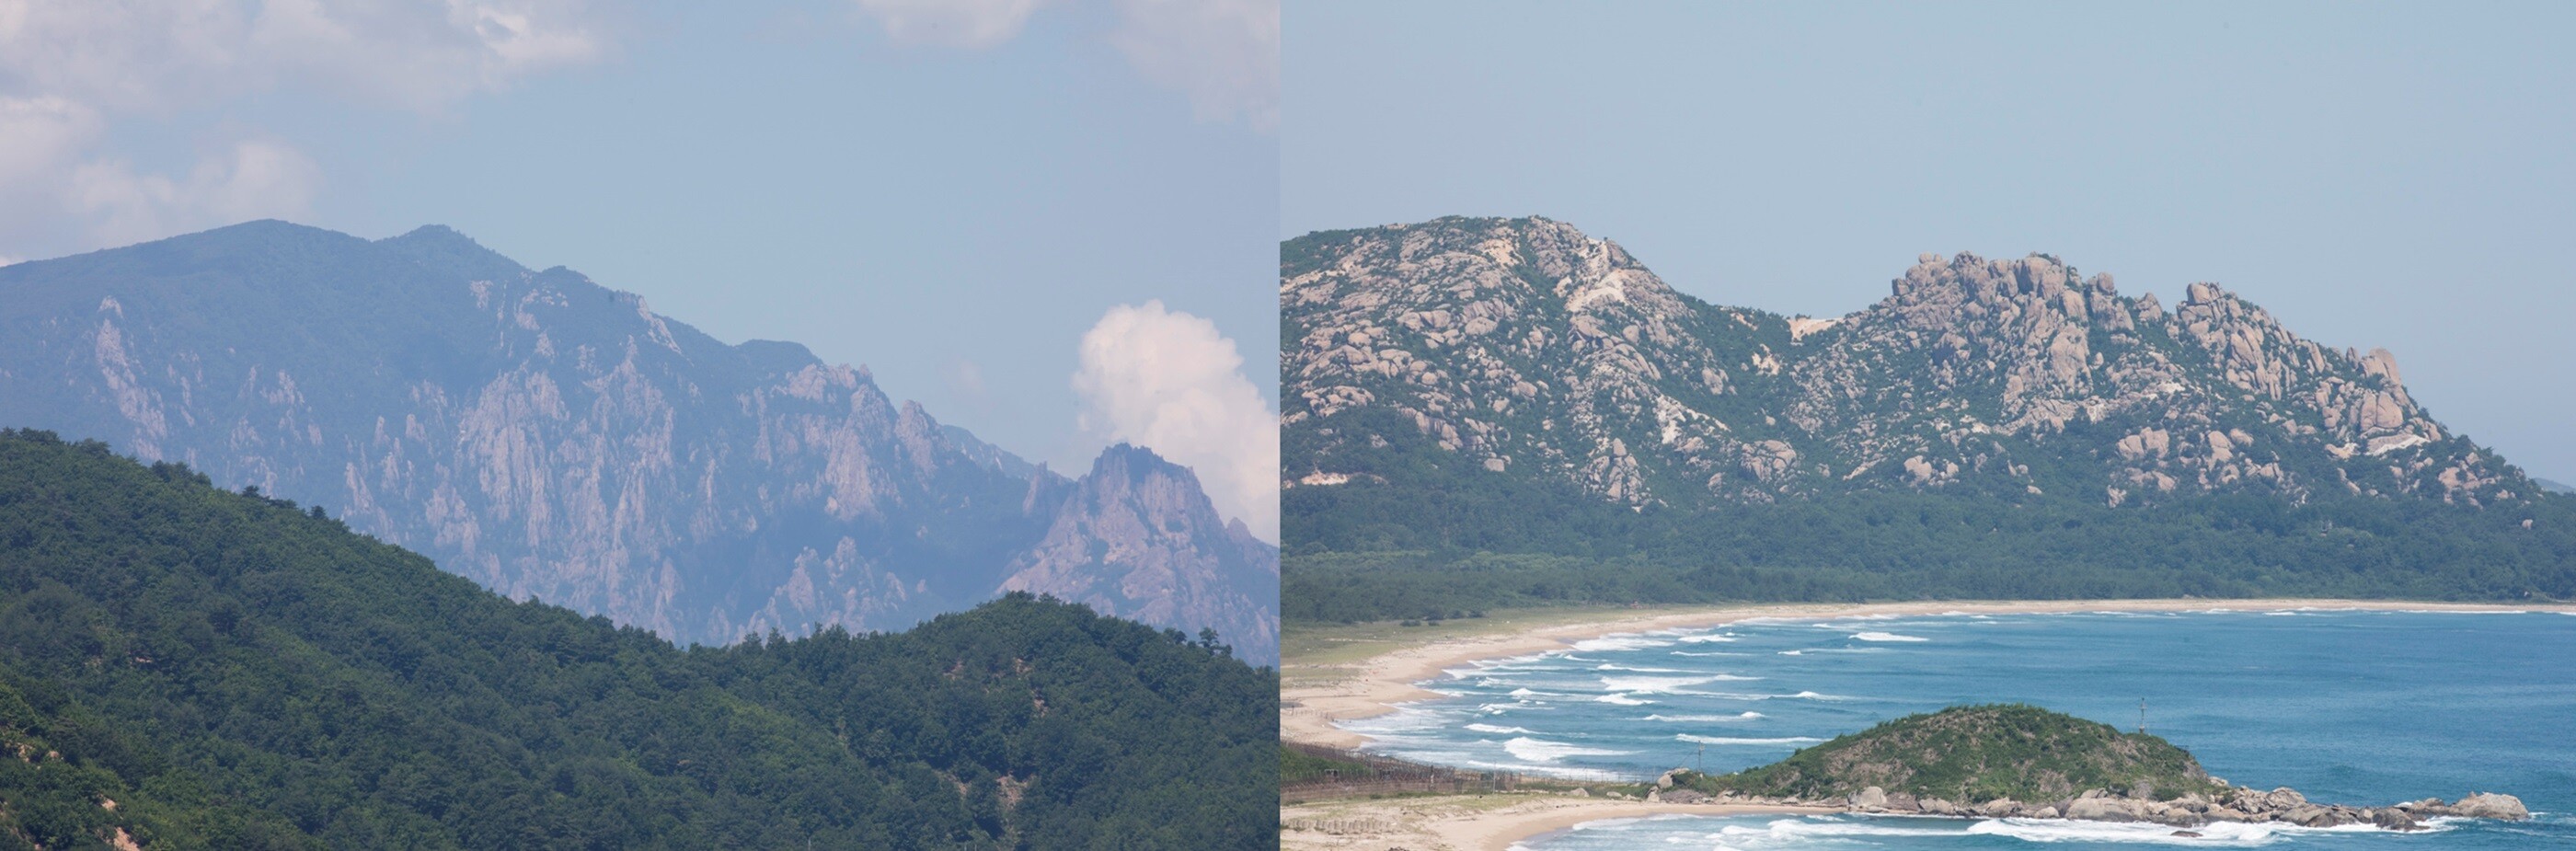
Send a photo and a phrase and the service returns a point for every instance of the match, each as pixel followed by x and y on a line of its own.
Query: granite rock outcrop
pixel 1528 348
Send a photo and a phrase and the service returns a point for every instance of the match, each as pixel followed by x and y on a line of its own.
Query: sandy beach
pixel 1469 823
pixel 1318 694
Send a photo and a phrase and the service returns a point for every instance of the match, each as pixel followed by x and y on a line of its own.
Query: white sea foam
pixel 1804 695
pixel 1709 638
pixel 1656 685
pixel 1563 772
pixel 1638 670
pixel 1793 652
pixel 1730 740
pixel 1620 700
pixel 1887 636
pixel 1725 695
pixel 1725 653
pixel 1705 719
pixel 1619 642
pixel 1490 728
pixel 1524 692
pixel 1523 659
pixel 1796 829
pixel 1542 750
pixel 2233 834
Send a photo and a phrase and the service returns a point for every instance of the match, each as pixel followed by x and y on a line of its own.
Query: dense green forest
pixel 238 672
pixel 1448 542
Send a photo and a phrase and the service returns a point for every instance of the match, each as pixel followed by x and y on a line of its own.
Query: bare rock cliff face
pixel 1529 349
pixel 541 434
pixel 1137 534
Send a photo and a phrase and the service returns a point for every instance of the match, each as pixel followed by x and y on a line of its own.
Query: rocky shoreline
pixel 2283 806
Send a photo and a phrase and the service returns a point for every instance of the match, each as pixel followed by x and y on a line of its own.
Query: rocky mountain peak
pixel 1137 531
pixel 1526 348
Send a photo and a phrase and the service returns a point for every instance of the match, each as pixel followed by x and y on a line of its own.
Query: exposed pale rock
pixel 2104 809
pixel 2492 805
pixel 1622 387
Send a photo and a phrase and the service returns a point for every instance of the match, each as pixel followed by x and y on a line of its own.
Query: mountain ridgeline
pixel 555 439
pixel 187 667
pixel 1479 412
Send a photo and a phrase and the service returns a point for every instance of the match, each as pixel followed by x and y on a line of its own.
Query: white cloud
pixel 411 54
pixel 70 70
pixel 254 180
pixel 1223 54
pixel 951 23
pixel 39 134
pixel 1168 381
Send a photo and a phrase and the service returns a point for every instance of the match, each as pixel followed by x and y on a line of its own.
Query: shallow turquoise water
pixel 2364 708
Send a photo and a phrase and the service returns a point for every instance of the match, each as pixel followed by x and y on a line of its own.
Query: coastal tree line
pixel 1450 544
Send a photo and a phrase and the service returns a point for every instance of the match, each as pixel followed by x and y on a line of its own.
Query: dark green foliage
pixel 252 675
pixel 1297 765
pixel 1473 540
pixel 71 779
pixel 1973 754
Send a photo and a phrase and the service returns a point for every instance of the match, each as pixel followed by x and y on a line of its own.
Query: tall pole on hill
pixel 2142 716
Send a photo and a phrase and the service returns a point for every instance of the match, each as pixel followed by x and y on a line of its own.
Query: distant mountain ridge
pixel 553 438
pixel 1495 413
pixel 1528 348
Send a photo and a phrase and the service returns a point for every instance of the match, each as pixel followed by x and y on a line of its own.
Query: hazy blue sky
pixel 2374 175
pixel 949 191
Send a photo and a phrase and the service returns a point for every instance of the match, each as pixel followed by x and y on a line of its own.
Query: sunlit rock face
pixel 553 438
pixel 1526 348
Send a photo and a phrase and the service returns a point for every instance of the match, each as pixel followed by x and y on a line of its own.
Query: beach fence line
pixel 1364 774
pixel 1342 826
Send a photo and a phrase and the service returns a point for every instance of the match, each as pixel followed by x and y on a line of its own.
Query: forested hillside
pixel 1498 412
pixel 240 672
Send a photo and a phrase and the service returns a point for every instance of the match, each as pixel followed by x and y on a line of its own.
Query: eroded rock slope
pixel 1530 349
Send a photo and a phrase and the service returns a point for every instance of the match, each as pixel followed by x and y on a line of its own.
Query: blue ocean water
pixel 2362 708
